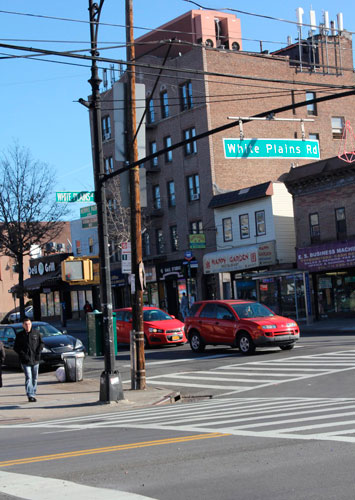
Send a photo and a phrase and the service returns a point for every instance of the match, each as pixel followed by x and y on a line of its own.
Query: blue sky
pixel 38 98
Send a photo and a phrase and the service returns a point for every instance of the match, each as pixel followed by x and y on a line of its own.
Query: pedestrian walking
pixel 2 359
pixel 87 307
pixel 28 345
pixel 184 306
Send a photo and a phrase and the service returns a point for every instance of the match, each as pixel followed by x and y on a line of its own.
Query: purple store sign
pixel 328 256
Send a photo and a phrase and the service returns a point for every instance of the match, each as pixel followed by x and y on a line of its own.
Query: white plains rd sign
pixel 271 148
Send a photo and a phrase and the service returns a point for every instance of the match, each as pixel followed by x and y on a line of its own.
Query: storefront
pixel 120 289
pixel 174 279
pixel 250 273
pixel 332 266
pixel 151 293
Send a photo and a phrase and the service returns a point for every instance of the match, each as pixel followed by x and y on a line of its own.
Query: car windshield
pixel 46 330
pixel 252 310
pixel 155 315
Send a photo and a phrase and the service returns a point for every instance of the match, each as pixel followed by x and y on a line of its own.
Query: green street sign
pixel 88 211
pixel 271 148
pixel 73 197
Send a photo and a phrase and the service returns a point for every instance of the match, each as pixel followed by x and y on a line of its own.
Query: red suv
pixel 238 323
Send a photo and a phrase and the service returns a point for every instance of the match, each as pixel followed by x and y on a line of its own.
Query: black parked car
pixel 55 343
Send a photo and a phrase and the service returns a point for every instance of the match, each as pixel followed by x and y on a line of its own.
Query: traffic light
pixel 77 270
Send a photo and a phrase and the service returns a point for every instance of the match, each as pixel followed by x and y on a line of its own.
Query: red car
pixel 159 327
pixel 238 323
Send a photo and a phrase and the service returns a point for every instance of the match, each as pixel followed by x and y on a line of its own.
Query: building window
pixel 150 110
pixel 340 222
pixel 91 245
pixel 314 137
pixel 174 238
pixel 244 226
pixel 146 244
pixel 227 229
pixel 260 223
pixel 193 187
pixel 171 194
pixel 164 103
pixel 153 149
pixel 186 96
pixel 160 241
pixel 311 108
pixel 106 128
pixel 196 227
pixel 77 247
pixel 314 227
pixel 337 126
pixel 190 147
pixel 168 154
pixel 156 197
pixel 108 165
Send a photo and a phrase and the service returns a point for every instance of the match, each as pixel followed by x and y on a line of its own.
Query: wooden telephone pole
pixel 139 381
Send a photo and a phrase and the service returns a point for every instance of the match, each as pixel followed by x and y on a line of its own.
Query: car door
pixel 120 325
pixel 127 327
pixel 8 337
pixel 225 325
pixel 206 322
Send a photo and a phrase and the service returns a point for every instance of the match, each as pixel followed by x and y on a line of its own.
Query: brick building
pixel 207 78
pixel 324 208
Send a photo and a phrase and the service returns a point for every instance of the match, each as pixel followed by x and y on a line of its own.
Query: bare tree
pixel 119 218
pixel 29 214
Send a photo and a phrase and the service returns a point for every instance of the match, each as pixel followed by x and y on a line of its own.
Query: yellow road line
pixel 110 449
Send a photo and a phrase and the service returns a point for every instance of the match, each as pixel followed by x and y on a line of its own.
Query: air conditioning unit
pixel 195 196
pixel 51 247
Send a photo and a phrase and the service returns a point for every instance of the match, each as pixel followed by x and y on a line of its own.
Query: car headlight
pixel 268 327
pixel 45 349
pixel 78 344
pixel 291 324
pixel 155 330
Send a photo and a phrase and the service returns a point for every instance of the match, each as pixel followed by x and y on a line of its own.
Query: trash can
pixel 95 333
pixel 73 366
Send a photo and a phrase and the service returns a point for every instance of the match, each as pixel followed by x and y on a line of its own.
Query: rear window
pixel 209 311
pixel 193 309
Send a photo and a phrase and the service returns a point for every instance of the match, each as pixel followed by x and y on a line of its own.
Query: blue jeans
pixel 31 376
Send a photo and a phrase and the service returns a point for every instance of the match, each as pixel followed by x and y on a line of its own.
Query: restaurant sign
pixel 327 256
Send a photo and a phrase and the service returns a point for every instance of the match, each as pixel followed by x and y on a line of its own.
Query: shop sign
pixel 150 274
pixel 324 283
pixel 171 269
pixel 326 257
pixel 271 148
pixel 231 260
pixel 267 254
pixel 197 240
pixel 41 268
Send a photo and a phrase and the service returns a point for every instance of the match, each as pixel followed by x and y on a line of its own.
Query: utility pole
pixel 139 381
pixel 110 381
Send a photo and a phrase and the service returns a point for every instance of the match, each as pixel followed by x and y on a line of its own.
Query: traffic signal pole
pixel 110 380
pixel 139 378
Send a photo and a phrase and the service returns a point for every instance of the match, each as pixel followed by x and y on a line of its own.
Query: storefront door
pixel 172 297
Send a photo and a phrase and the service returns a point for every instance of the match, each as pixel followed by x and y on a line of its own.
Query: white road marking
pixel 45 488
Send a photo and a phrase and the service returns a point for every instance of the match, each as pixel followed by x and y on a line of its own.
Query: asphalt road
pixel 279 426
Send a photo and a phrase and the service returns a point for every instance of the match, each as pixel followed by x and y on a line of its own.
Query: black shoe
pixel 32 399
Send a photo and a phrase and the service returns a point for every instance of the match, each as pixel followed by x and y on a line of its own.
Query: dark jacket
pixel 29 346
pixel 2 353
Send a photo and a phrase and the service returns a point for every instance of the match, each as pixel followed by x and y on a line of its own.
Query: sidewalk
pixel 56 400
pixel 329 327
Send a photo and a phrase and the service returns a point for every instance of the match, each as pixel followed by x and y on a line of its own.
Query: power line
pixel 175 70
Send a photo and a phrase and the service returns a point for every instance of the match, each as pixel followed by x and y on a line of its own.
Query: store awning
pixel 36 282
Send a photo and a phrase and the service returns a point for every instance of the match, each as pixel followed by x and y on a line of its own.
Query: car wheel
pixel 286 347
pixel 196 342
pixel 245 344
